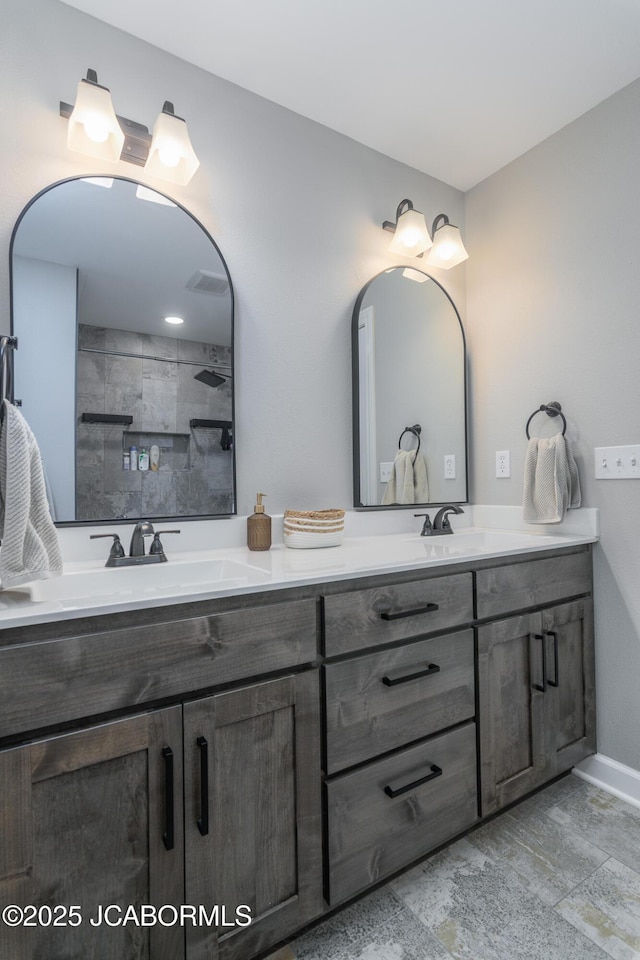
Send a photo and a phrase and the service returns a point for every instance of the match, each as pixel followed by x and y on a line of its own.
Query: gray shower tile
pixel 604 820
pixel 90 374
pixel 606 908
pixel 155 346
pixel 158 494
pixel 332 938
pixel 159 370
pixel 480 911
pixel 548 860
pixel 123 372
pixel 91 337
pixel 125 341
pixel 159 405
pixel 402 937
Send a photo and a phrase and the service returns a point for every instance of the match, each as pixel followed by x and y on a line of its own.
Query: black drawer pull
pixel 551 633
pixel 394 789
pixel 392 678
pixel 430 608
pixel 203 820
pixel 543 686
pixel 168 835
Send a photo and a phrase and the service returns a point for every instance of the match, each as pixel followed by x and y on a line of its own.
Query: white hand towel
pixel 408 481
pixel 551 482
pixel 30 548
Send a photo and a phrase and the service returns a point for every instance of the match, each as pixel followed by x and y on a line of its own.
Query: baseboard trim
pixel 614 777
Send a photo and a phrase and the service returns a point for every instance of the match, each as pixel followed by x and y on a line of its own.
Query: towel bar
pixel 552 409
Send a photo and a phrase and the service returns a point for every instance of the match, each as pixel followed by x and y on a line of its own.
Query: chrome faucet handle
pixel 117 550
pixel 156 548
pixel 427 526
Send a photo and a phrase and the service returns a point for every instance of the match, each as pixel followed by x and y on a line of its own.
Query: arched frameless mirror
pixel 96 266
pixel 409 392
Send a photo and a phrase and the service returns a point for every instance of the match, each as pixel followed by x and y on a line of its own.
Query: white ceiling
pixel 455 88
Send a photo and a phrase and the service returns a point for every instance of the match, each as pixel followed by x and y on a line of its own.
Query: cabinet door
pixel 86 819
pixel 570 694
pixel 511 710
pixel 252 814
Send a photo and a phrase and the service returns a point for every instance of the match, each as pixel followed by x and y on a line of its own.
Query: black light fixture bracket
pixel 403 206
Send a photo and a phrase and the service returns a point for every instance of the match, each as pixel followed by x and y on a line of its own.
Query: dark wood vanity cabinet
pixel 536 678
pixel 213 802
pixel 82 818
pixel 537 702
pixel 447 693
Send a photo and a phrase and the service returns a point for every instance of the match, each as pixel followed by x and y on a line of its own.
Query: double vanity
pixel 275 733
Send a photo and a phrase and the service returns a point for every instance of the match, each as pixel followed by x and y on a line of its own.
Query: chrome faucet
pixel 141 530
pixel 441 524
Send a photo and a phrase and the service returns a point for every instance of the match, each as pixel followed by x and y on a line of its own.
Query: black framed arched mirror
pixel 409 393
pixel 97 265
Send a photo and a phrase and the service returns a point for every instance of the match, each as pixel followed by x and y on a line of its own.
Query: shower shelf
pixel 107 418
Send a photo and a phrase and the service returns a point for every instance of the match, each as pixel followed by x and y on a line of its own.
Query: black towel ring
pixel 416 430
pixel 552 409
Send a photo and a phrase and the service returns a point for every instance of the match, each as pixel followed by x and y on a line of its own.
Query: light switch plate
pixel 617 463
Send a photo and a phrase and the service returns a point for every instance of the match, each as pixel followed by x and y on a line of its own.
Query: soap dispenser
pixel 259 527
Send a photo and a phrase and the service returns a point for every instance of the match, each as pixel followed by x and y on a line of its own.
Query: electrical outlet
pixel 449 466
pixel 385 472
pixel 503 463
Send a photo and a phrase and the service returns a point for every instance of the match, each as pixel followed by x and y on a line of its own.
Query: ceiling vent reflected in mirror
pixel 203 281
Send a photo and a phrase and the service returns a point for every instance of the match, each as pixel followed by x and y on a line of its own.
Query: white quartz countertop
pixel 88 588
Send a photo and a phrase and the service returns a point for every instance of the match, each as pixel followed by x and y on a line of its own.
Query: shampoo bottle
pixel 259 527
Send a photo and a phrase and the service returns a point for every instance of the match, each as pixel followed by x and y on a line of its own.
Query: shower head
pixel 210 378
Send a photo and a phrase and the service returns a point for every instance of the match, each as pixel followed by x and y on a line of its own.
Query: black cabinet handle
pixel 394 789
pixel 543 686
pixel 203 819
pixel 391 679
pixel 168 835
pixel 551 633
pixel 430 607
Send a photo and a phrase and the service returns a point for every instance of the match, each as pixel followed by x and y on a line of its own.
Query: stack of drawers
pixel 401 733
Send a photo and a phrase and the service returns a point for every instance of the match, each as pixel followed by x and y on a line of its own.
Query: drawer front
pixel 521 585
pixel 367 618
pixel 73 678
pixel 385 700
pixel 373 834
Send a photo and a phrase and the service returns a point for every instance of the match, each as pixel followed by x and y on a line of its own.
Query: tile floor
pixel 555 878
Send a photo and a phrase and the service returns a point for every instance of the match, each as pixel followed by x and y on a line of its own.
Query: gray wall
pixel 295 208
pixel 553 294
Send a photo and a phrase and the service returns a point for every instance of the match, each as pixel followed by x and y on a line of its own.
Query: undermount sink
pixel 168 578
pixel 486 540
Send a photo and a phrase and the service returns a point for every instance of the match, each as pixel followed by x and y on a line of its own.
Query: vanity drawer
pixel 385 700
pixel 82 676
pixel 520 585
pixel 373 833
pixel 368 618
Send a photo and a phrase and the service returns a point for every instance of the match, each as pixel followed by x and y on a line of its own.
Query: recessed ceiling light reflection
pixel 175 320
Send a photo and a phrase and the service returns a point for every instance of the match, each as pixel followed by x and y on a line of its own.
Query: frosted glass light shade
pixel 448 250
pixel 411 237
pixel 93 126
pixel 171 156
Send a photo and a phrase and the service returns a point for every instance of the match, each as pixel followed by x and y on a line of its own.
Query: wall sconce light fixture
pixel 448 250
pixel 412 239
pixel 96 130
pixel 171 155
pixel 93 125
